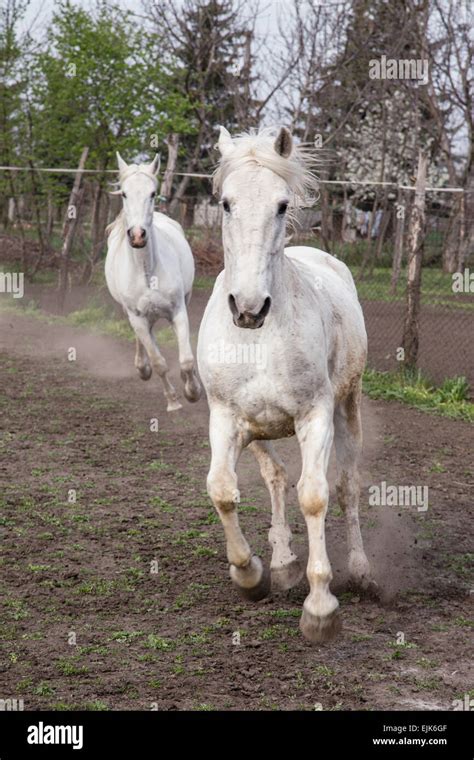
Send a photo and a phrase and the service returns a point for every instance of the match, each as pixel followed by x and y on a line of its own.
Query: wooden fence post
pixel 400 216
pixel 70 225
pixel 416 235
pixel 167 184
pixel 326 213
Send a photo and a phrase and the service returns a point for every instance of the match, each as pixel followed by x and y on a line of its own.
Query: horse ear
pixel 225 142
pixel 154 167
pixel 284 143
pixel 122 165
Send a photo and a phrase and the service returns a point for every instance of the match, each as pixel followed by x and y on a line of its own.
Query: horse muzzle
pixel 137 237
pixel 247 319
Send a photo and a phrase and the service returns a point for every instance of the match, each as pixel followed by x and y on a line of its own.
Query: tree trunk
pixel 381 234
pixel 451 244
pixel 416 236
pixel 167 184
pixel 50 220
pixel 16 214
pixel 39 226
pixel 95 218
pixel 179 194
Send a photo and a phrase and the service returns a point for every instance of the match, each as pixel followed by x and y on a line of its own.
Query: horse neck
pixel 144 260
pixel 284 284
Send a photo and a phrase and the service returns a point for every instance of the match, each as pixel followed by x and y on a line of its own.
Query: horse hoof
pixel 192 392
pixel 366 587
pixel 288 576
pixel 258 590
pixel 192 388
pixel 319 630
pixel 145 372
pixel 173 406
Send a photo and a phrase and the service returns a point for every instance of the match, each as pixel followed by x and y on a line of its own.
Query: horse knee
pixel 160 366
pixel 313 497
pixel 187 365
pixel 222 490
pixel 278 476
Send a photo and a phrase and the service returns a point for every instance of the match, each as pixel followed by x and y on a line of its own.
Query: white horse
pixel 150 271
pixel 298 306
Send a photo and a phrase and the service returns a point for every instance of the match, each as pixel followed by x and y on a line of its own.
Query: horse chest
pixel 262 398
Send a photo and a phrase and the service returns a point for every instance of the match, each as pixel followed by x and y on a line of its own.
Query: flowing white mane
pixel 258 148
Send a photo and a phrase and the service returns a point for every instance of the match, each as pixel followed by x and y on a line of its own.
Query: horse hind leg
pixel 348 444
pixel 145 336
pixel 286 569
pixel 192 386
pixel 142 362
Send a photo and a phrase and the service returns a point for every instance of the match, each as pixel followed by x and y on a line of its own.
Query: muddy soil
pixel 114 581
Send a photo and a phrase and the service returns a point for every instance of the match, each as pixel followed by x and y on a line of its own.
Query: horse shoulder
pixel 163 222
pixel 314 257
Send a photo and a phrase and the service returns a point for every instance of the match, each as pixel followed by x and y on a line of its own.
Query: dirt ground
pixel 121 599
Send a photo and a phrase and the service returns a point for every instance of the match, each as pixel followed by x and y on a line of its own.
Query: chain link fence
pixel 365 226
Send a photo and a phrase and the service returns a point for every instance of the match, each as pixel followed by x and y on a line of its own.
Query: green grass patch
pixel 94 317
pixel 436 288
pixel 449 399
pixel 160 643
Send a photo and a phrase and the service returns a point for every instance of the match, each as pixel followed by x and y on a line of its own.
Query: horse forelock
pixel 133 169
pixel 258 148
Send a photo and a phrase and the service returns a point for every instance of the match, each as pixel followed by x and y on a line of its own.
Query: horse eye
pixel 153 194
pixel 123 195
pixel 282 208
pixel 226 206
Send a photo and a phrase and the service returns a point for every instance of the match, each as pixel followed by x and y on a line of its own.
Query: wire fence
pixel 365 224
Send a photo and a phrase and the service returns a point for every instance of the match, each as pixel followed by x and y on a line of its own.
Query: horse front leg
pixel 192 387
pixel 286 570
pixel 319 621
pixel 143 333
pixel 246 570
pixel 142 362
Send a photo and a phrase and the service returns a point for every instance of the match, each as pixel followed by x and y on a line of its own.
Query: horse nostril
pixel 136 232
pixel 266 307
pixel 233 306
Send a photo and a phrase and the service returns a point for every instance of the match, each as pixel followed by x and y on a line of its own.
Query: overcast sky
pixel 39 13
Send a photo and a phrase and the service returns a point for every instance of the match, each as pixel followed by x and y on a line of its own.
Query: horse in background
pixel 149 271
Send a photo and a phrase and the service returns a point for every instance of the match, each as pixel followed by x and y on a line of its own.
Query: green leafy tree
pixel 100 83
